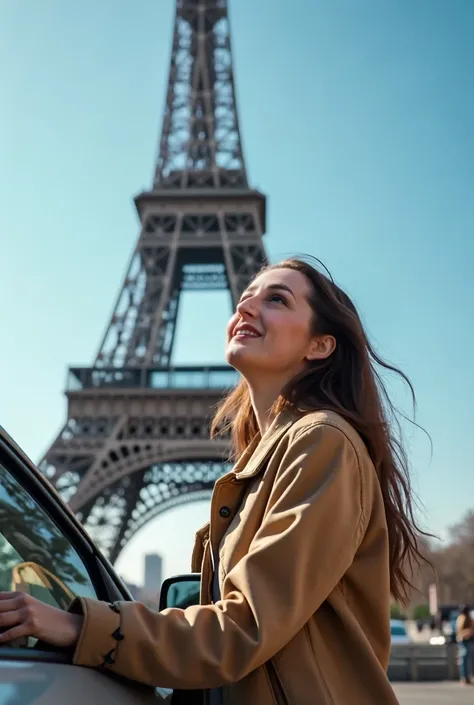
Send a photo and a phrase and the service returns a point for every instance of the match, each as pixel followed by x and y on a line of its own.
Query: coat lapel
pixel 259 449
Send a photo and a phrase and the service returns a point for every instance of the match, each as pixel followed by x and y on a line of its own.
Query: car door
pixel 45 551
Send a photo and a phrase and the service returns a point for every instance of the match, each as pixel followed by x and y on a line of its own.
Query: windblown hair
pixel 467 622
pixel 348 383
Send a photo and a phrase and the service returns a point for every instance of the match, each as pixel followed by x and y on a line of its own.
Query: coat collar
pixel 253 458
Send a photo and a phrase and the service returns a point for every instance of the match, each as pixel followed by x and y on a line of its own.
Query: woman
pixel 310 535
pixel 465 639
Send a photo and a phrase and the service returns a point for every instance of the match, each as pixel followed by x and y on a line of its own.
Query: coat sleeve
pixel 308 538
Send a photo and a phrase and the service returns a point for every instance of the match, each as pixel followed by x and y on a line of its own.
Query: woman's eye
pixel 277 297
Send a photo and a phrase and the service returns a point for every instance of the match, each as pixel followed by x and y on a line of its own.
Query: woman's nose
pixel 249 307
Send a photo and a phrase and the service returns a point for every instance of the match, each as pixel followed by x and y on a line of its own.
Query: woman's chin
pixel 238 358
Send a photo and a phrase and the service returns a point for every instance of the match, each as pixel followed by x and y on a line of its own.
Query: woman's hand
pixel 22 615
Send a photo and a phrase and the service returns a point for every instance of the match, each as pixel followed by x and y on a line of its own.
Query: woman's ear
pixel 321 347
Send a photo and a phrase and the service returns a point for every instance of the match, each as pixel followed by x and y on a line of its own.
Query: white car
pixel 45 551
pixel 398 632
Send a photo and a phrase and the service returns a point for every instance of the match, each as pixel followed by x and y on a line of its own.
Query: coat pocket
pixel 276 684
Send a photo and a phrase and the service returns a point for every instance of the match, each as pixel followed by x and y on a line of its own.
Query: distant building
pixel 153 573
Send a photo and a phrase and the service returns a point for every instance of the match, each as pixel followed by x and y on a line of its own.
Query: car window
pixel 35 556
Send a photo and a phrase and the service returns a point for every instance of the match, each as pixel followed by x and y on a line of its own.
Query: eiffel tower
pixel 136 441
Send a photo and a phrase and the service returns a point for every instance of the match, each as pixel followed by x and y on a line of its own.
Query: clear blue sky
pixel 357 122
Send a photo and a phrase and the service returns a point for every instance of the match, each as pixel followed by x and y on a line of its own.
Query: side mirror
pixel 180 591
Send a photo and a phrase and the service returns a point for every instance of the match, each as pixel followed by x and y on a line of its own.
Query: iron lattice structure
pixel 136 441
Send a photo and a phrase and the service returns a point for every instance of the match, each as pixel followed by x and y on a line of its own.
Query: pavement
pixel 443 693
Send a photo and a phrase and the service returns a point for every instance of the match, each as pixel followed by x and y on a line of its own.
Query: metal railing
pixel 219 377
pixel 423 662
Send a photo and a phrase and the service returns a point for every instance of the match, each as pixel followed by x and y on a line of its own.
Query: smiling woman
pixel 269 337
pixel 312 353
pixel 311 532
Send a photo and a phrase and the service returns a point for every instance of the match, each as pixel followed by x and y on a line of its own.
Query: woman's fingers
pixel 15 601
pixel 15 633
pixel 12 617
pixel 23 615
pixel 9 595
pixel 12 602
pixel 17 614
pixel 9 605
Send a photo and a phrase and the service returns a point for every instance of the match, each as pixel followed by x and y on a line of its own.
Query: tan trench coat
pixel 300 528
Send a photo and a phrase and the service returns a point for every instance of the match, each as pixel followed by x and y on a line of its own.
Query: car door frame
pixel 106 582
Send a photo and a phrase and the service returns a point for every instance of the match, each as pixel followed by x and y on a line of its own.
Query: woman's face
pixel 270 332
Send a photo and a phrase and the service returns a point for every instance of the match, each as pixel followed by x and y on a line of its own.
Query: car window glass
pixel 35 556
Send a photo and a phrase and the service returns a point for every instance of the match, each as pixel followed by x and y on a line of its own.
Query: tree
pixel 421 612
pixel 396 612
pixel 453 563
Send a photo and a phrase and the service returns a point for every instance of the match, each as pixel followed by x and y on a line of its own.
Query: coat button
pixel 224 512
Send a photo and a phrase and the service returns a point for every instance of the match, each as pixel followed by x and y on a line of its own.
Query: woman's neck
pixel 263 399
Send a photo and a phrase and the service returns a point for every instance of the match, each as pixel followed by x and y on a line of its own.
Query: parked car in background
pixel 45 552
pixel 398 632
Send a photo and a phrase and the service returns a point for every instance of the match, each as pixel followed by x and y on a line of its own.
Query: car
pixel 398 632
pixel 45 552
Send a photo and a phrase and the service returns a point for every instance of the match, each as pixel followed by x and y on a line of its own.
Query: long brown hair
pixel 348 383
pixel 467 622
